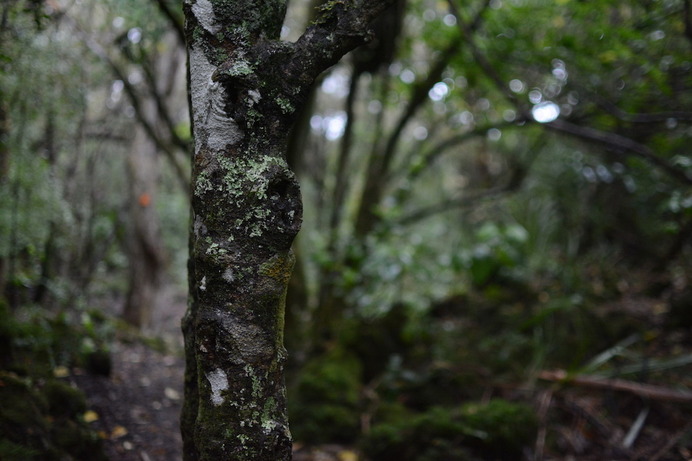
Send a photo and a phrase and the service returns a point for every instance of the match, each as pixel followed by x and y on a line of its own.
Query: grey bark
pixel 245 88
pixel 156 110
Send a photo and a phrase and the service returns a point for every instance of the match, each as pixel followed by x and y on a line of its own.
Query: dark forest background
pixel 495 260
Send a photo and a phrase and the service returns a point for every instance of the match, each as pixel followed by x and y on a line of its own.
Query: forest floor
pixel 138 406
pixel 136 409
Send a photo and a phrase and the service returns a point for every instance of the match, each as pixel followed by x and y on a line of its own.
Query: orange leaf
pixel 144 200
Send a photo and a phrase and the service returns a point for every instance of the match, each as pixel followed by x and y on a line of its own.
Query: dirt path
pixel 138 406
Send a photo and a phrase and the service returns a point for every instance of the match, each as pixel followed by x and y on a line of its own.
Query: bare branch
pixel 99 51
pixel 650 391
pixel 618 143
pixel 429 157
pixel 688 20
pixel 455 203
pixel 418 97
pixel 378 172
pixel 483 62
pixel 159 99
pixel 655 117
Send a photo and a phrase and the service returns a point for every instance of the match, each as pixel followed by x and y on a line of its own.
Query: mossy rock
pixel 436 384
pixel 496 430
pixel 40 416
pixel 391 412
pixel 434 435
pixel 334 377
pixel 499 428
pixel 78 440
pixel 375 341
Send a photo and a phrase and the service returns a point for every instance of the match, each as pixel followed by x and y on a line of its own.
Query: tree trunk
pixel 245 87
pixel 156 104
pixel 4 174
pixel 144 249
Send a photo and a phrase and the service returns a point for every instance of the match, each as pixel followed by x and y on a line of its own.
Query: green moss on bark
pixel 246 211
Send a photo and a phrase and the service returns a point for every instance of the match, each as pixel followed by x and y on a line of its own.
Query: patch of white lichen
pixel 218 380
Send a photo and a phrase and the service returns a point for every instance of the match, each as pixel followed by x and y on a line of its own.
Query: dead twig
pixel 545 400
pixel 650 391
pixel 635 429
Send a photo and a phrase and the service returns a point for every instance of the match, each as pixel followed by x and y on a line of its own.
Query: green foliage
pixel 28 187
pixel 15 452
pixel 38 341
pixel 438 432
pixel 22 411
pixel 41 416
pixel 499 249
pixel 496 430
pixel 502 428
pixel 64 400
pixel 324 403
pixel 43 422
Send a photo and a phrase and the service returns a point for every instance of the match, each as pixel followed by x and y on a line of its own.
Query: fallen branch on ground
pixel 650 391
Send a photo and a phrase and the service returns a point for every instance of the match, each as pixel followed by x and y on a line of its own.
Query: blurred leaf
pixel 90 416
pixel 118 431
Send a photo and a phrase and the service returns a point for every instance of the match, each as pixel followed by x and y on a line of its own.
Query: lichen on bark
pixel 245 87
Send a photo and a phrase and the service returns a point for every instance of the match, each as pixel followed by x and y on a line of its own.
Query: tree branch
pixel 613 140
pixel 433 153
pixel 467 31
pixel 655 117
pixel 688 20
pixel 170 154
pixel 341 26
pixel 342 173
pixel 418 97
pixel 649 391
pixel 618 143
pixel 378 173
pixel 454 203
pixel 119 73
pixel 175 21
pixel 162 111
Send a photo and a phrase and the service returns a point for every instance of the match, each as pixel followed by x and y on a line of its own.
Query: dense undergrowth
pixel 469 378
pixel 44 417
pixel 466 378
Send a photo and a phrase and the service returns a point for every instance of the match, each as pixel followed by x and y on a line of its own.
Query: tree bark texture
pixel 245 88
